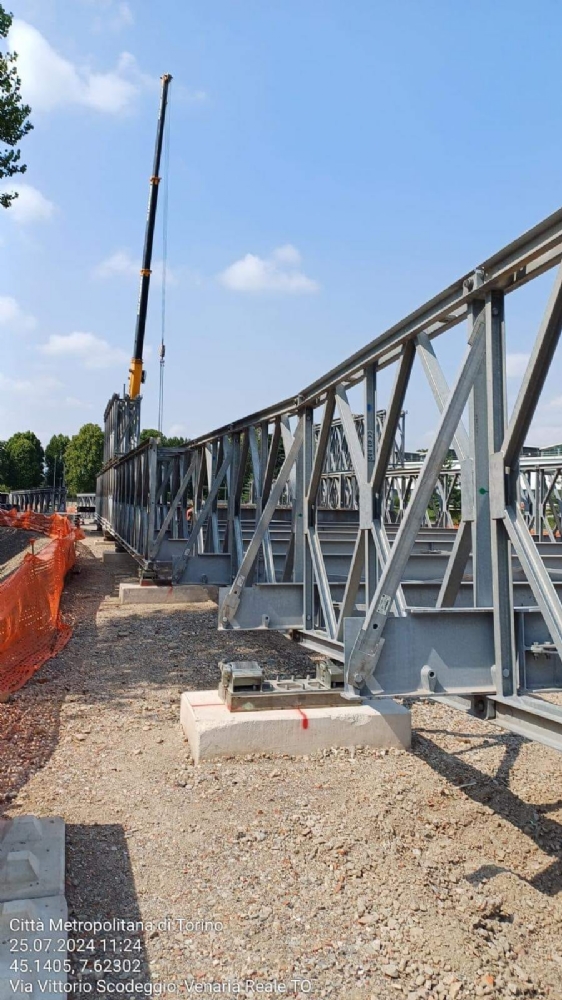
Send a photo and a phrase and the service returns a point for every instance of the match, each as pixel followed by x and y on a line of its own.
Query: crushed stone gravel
pixel 14 544
pixel 434 874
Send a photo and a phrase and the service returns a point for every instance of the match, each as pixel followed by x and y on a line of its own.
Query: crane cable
pixel 166 177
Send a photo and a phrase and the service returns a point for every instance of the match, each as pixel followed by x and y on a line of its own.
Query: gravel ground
pixel 433 875
pixel 13 546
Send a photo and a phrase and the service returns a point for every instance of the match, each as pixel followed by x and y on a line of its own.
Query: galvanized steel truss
pixel 481 635
pixel 40 499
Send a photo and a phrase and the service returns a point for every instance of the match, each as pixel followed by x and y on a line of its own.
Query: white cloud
pixel 114 14
pixel 277 273
pixel 287 254
pixel 516 364
pixel 29 206
pixel 75 403
pixel 13 316
pixel 50 81
pixel 545 435
pixel 92 351
pixel 41 386
pixel 177 430
pixel 118 263
pixel 120 16
pixel 121 263
pixel 556 402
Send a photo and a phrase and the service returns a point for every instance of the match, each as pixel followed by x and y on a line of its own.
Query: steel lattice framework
pixel 412 603
pixel 40 499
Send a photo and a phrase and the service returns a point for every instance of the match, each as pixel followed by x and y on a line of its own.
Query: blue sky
pixel 332 166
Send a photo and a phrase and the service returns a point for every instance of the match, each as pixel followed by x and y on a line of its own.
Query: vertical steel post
pixel 152 473
pixel 229 544
pixel 308 518
pixel 481 524
pixel 502 584
pixel 259 476
pixel 538 511
pixel 299 520
pixel 370 450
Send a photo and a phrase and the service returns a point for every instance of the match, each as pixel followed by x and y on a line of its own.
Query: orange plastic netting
pixel 31 626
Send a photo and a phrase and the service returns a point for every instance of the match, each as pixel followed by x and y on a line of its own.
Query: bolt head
pixel 358 679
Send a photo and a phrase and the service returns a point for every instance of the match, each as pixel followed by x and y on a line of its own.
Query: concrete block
pixel 135 593
pixel 213 731
pixel 31 858
pixel 29 936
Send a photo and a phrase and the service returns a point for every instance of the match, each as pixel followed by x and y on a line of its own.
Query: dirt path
pixel 430 875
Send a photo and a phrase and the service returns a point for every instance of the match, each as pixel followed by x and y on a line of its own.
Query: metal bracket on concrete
pixel 243 688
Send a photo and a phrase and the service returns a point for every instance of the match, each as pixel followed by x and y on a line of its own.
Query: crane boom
pixel 136 370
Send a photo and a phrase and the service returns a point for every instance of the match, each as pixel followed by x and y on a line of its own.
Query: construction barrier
pixel 31 626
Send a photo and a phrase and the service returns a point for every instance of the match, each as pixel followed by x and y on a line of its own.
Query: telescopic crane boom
pixel 136 373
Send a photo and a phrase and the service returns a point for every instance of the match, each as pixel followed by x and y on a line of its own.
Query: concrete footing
pixel 31 857
pixel 213 731
pixel 136 593
pixel 32 906
pixel 33 934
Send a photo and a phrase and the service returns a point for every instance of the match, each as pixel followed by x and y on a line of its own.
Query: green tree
pixel 84 459
pixel 25 460
pixel 14 114
pixel 54 459
pixel 167 442
pixel 4 468
pixel 149 432
pixel 175 442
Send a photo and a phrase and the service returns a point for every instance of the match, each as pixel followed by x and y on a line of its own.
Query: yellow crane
pixel 136 372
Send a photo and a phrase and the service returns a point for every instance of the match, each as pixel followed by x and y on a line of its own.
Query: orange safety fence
pixel 31 626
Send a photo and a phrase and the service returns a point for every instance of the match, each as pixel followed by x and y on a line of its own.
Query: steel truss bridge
pixel 434 579
pixel 40 499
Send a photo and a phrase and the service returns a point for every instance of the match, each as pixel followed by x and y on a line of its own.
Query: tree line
pixel 73 462
pixel 70 461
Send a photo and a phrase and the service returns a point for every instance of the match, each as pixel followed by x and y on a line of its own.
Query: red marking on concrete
pixel 304 718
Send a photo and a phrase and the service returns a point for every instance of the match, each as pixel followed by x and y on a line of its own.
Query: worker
pixel 189 516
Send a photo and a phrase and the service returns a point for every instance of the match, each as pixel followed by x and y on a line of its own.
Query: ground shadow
pixel 492 791
pixel 100 888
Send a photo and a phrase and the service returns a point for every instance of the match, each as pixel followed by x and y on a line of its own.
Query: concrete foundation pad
pixel 32 934
pixel 31 858
pixel 213 731
pixel 136 593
